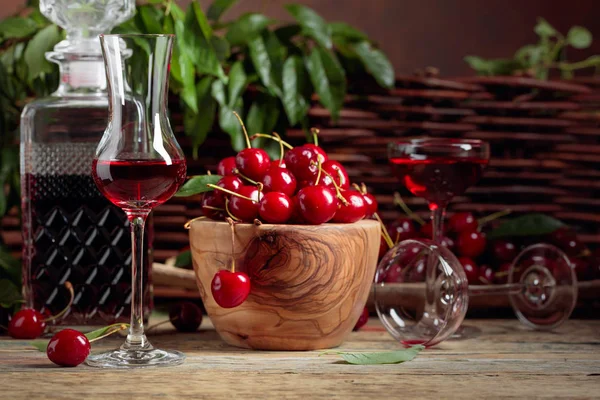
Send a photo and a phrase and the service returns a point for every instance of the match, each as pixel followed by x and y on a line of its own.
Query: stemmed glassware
pixel 429 298
pixel 138 165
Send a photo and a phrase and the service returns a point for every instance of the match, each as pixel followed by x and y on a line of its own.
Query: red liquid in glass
pixel 438 179
pixel 138 184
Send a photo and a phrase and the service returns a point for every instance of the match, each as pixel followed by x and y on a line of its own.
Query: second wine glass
pixel 138 166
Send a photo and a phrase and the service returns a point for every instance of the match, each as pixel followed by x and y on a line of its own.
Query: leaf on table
pixel 312 24
pixel 35 52
pixel 197 184
pixel 41 344
pixel 218 8
pixel 376 63
pixel 526 225
pixel 9 294
pixel 295 101
pixel 246 28
pixel 382 357
pixel 328 79
pixel 183 259
pixel 17 27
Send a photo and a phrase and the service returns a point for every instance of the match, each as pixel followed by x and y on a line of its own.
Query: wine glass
pixel 138 165
pixel 437 169
pixel 542 289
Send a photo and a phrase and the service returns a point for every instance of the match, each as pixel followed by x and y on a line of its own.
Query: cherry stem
pixel 384 232
pixel 232 226
pixel 399 202
pixel 189 223
pixel 482 221
pixel 260 187
pixel 69 287
pixel 277 139
pixel 315 135
pixel 281 150
pixel 364 188
pixel 319 169
pixel 210 185
pixel 208 172
pixel 110 332
pixel 175 318
pixel 335 185
pixel 231 216
pixel 237 172
pixel 358 188
pixel 244 129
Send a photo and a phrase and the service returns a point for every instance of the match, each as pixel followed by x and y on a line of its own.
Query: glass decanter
pixel 70 231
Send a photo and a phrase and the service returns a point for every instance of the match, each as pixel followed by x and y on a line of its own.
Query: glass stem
pixel 437 222
pixel 505 289
pixel 136 339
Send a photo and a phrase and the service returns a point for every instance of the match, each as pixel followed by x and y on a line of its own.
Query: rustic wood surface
pixel 506 360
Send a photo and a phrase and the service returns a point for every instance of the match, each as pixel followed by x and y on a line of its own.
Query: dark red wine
pixel 72 232
pixel 138 184
pixel 438 179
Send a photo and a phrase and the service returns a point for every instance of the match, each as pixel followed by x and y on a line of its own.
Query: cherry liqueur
pixel 70 231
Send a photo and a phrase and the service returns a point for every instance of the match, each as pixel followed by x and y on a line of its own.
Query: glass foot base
pixel 466 332
pixel 135 358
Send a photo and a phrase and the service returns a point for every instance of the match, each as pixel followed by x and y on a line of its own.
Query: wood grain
pixel 309 283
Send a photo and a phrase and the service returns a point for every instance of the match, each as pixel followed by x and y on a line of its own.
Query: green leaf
pixel 526 225
pixel 151 18
pixel 346 31
pixel 237 82
pixel 294 83
pixel 9 294
pixel 177 13
pixel 101 331
pixel 197 184
pixel 287 32
pixel 218 7
pixel 188 76
pixel 492 67
pixel 183 259
pixel 34 56
pixel 221 46
pixel 198 124
pixel 41 344
pixel 168 25
pixel 17 27
pixel 579 37
pixel 387 357
pixel 263 114
pixel 376 63
pixel 312 24
pixel 267 57
pixel 328 79
pixel 230 124
pixel 247 27
pixel 218 92
pixel 544 29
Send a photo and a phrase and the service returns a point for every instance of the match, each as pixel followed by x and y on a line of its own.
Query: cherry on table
pixel 242 208
pixel 279 180
pixel 253 163
pixel 318 204
pixel 362 320
pixel 230 289
pixel 462 221
pixel 226 166
pixel 471 244
pixel 231 183
pixel 275 208
pixel 27 324
pixel 401 229
pixel 68 348
pixel 504 250
pixel 185 316
pixel 471 270
pixel 354 211
pixel 371 203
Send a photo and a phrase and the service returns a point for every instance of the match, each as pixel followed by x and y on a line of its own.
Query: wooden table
pixel 506 360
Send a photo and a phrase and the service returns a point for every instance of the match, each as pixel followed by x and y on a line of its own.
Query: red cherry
pixel 394 274
pixel 279 180
pixel 567 240
pixel 185 316
pixel 226 166
pixel 318 204
pixel 471 270
pixel 253 163
pixel 230 289
pixel 448 243
pixel 462 221
pixel 471 244
pixel 501 276
pixel 354 211
pixel 296 217
pixel 317 151
pixel 209 199
pixel 338 172
pixel 303 162
pixel 486 275
pixel 243 209
pixel 582 269
pixel 426 230
pixel 383 248
pixel 68 348
pixel 26 324
pixel 278 164
pixel 275 208
pixel 504 250
pixel 401 229
pixel 371 203
pixel 362 320
pixel 231 183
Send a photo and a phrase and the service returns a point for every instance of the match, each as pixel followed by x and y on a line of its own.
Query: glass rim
pixel 438 141
pixel 139 35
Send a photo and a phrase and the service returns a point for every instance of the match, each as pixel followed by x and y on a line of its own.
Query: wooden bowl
pixel 309 283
